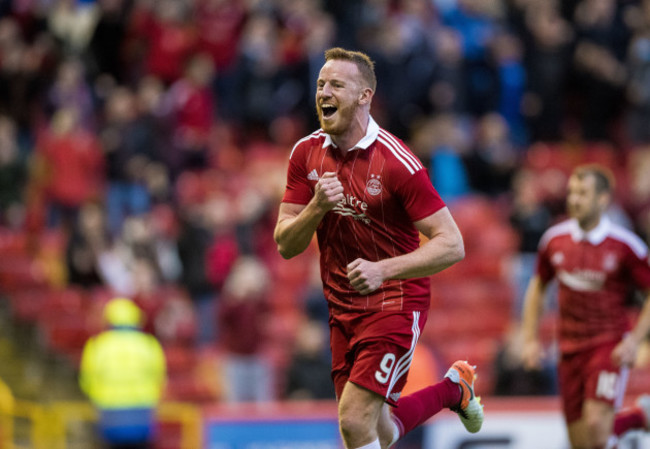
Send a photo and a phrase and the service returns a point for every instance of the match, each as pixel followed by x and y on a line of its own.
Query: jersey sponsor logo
pixel 373 186
pixel 582 280
pixel 348 207
pixel 313 175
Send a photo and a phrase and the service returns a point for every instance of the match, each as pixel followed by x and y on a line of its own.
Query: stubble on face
pixel 337 96
pixel 582 201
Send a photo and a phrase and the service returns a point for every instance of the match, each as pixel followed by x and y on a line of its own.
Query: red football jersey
pixel 595 271
pixel 386 189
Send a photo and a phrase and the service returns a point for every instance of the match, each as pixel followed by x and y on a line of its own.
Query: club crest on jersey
pixel 610 262
pixel 557 258
pixel 373 186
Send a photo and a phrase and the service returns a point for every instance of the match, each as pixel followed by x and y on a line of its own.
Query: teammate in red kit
pixel 367 197
pixel 596 263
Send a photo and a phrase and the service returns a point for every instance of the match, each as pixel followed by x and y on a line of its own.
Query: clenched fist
pixel 365 276
pixel 328 191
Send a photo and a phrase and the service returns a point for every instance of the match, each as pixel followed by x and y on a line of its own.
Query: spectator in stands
pixel 511 74
pixel 13 176
pixel 548 43
pixel 152 123
pixel 72 164
pixel 192 109
pixel 220 24
pixel 440 141
pixel 308 372
pixel 320 36
pixel 637 200
pixel 476 21
pixel 73 24
pixel 128 148
pixel 530 218
pixel 446 92
pixel 123 374
pixel 105 51
pixel 71 91
pixel 242 314
pixel 170 38
pixel 175 322
pixel 600 50
pixel 405 63
pixel 493 158
pixel 207 249
pixel 88 239
pixel 263 86
pixel 513 379
pixel 638 88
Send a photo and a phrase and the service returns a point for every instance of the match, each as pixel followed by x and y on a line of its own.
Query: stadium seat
pixel 62 321
pixel 26 304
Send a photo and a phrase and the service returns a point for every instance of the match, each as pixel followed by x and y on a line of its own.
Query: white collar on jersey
pixel 595 236
pixel 371 135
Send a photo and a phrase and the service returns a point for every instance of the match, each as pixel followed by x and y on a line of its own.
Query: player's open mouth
pixel 328 110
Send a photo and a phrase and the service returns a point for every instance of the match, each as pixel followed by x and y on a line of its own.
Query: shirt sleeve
pixel 640 269
pixel 419 197
pixel 298 189
pixel 544 268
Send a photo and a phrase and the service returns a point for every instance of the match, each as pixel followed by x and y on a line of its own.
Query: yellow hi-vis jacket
pixel 123 368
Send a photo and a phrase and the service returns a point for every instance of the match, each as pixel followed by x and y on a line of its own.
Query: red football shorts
pixel 374 349
pixel 590 374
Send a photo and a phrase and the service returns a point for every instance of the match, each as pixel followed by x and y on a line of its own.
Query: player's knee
pixel 353 426
pixel 596 434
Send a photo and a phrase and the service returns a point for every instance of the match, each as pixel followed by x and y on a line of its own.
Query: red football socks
pixel 632 418
pixel 417 407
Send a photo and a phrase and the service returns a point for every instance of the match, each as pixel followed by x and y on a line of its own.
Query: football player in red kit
pixel 596 263
pixel 367 197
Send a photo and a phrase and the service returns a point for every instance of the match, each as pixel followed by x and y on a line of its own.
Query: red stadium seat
pixel 63 322
pixel 26 304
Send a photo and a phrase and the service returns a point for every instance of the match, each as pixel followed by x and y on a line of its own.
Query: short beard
pixel 341 125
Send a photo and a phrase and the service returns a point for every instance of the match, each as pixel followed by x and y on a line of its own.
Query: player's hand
pixel 532 354
pixel 365 276
pixel 625 352
pixel 328 191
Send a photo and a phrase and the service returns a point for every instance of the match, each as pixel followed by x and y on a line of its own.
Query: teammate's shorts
pixel 590 374
pixel 374 350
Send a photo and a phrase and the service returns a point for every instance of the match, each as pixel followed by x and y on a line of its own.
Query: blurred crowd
pixel 154 134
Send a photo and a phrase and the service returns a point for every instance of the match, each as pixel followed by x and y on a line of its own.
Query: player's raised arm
pixel 297 223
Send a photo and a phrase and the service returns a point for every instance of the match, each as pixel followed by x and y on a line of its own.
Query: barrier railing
pixel 48 424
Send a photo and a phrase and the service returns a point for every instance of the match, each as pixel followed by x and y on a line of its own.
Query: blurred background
pixel 143 153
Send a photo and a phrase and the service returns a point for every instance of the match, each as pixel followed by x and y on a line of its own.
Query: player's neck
pixel 589 224
pixel 355 132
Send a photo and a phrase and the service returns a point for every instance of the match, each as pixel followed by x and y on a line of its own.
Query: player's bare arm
pixel 297 223
pixel 626 351
pixel 443 249
pixel 533 307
